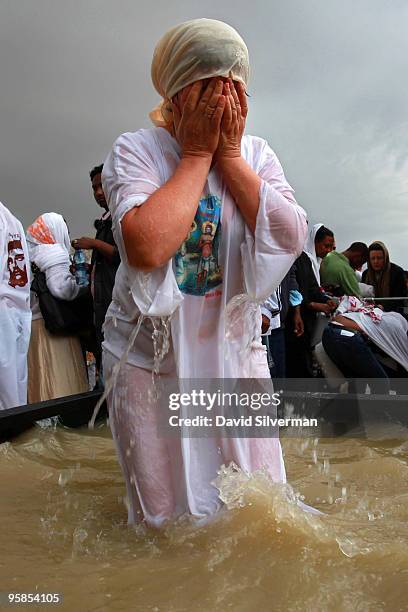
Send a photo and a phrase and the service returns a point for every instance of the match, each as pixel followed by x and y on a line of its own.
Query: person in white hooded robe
pixel 56 364
pixel 207 227
pixel 316 305
pixel 15 313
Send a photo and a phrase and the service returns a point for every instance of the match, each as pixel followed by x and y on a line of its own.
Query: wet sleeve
pixel 61 283
pixel 280 231
pixel 130 176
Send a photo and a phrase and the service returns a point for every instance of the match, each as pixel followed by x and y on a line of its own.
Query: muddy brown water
pixel 63 530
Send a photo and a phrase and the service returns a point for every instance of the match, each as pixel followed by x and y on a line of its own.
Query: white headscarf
pixel 310 250
pixel 48 241
pixel 195 50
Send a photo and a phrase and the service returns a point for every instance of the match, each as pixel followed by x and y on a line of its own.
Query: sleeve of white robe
pixel 280 230
pixel 61 283
pixel 131 174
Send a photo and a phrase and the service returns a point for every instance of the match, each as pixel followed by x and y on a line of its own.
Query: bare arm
pixel 285 218
pixel 107 250
pixel 242 182
pixel 326 307
pixel 173 206
pixel 350 323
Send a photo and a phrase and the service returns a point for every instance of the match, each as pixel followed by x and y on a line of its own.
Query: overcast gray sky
pixel 329 92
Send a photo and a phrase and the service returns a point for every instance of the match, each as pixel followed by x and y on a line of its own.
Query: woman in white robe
pixel 207 227
pixel 319 242
pixel 56 366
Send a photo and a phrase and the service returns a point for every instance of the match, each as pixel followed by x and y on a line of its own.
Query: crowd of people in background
pixel 306 310
pixel 332 288
pixel 179 294
pixel 56 314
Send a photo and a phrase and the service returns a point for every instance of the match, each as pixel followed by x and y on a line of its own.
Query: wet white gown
pixel 219 260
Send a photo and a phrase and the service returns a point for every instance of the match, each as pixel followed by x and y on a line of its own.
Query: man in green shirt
pixel 337 271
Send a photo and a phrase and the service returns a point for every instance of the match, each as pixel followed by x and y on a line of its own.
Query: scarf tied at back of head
pixel 48 241
pixel 192 51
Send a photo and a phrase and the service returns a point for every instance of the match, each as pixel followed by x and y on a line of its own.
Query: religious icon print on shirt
pixel 197 267
pixel 16 264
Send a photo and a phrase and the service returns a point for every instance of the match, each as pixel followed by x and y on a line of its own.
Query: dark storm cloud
pixel 327 87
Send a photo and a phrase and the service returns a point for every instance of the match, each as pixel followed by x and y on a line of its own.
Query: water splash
pixel 237 489
pixel 351 548
pixel 78 538
pixel 65 476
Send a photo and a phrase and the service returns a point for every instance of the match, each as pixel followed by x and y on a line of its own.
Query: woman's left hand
pixel 233 121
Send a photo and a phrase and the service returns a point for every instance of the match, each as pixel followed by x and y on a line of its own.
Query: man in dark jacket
pixel 105 260
pixel 299 349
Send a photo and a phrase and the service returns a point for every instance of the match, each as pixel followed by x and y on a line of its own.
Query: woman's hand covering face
pixel 197 123
pixel 233 121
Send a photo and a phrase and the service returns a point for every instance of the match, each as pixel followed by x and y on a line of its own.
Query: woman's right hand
pixel 197 124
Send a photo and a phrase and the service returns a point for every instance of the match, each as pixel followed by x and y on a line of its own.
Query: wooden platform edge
pixel 73 410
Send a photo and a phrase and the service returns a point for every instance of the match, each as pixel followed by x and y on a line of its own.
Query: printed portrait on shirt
pixel 197 266
pixel 16 264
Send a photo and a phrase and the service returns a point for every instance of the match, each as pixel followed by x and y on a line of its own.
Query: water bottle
pixel 81 271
